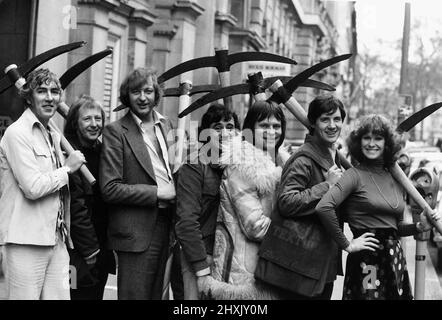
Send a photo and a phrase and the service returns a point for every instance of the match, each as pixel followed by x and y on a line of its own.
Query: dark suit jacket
pixel 128 185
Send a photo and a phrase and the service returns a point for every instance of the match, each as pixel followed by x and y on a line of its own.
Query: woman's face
pixel 372 145
pixel 267 133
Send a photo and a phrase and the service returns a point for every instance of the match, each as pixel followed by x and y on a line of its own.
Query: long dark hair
pixel 261 110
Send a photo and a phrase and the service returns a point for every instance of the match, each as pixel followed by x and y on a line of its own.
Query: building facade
pixel 164 33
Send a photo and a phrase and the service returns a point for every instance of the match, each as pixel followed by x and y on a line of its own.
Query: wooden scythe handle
pixel 63 109
pixel 69 149
pixel 224 79
pixel 184 100
pixel 292 105
pixel 400 177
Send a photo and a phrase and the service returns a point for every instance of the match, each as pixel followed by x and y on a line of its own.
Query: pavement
pixel 433 276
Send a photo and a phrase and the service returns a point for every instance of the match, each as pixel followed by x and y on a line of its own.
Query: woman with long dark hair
pixel 373 204
pixel 247 191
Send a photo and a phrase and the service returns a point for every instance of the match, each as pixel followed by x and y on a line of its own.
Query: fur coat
pixel 246 200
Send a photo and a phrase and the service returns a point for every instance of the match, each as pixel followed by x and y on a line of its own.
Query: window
pixel 111 79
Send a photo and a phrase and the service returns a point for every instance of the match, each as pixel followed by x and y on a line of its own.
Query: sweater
pixel 370 198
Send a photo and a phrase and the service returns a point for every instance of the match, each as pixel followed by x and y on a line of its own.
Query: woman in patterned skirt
pixel 374 205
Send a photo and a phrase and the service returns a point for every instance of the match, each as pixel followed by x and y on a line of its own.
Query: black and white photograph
pixel 221 155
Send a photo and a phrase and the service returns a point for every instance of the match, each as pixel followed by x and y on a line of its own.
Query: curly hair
pixel 135 80
pixel 379 125
pixel 71 127
pixel 261 110
pixel 35 79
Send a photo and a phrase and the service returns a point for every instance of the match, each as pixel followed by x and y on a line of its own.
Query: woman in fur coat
pixel 252 169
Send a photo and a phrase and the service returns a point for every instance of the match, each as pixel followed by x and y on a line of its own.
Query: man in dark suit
pixel 136 181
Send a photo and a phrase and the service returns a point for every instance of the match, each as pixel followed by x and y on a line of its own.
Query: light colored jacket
pixel 246 201
pixel 29 184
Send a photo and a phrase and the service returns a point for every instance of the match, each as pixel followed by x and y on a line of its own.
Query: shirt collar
pixel 158 118
pixel 31 119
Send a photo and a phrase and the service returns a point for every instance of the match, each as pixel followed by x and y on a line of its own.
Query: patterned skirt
pixel 380 274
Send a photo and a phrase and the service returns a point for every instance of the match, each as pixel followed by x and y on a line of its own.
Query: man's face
pixel 90 124
pixel 142 100
pixel 44 101
pixel 221 130
pixel 328 127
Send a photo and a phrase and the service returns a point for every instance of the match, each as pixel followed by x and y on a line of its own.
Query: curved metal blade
pixel 197 63
pixel 120 107
pixel 245 88
pixel 204 88
pixel 81 66
pixel 38 60
pixel 171 92
pixel 296 81
pixel 417 117
pixel 211 61
pixel 258 56
pixel 307 83
pixel 176 92
pixel 215 95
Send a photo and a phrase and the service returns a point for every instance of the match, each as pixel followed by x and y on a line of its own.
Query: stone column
pixel 305 53
pixel 183 15
pixel 257 16
pixel 224 21
pixel 162 37
pixel 139 21
pixel 205 46
pixel 92 27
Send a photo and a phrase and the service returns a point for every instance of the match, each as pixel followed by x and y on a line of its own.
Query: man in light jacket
pixel 34 198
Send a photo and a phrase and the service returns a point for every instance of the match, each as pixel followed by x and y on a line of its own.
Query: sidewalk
pixel 433 288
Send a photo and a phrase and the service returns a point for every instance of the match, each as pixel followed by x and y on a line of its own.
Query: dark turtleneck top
pixel 369 197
